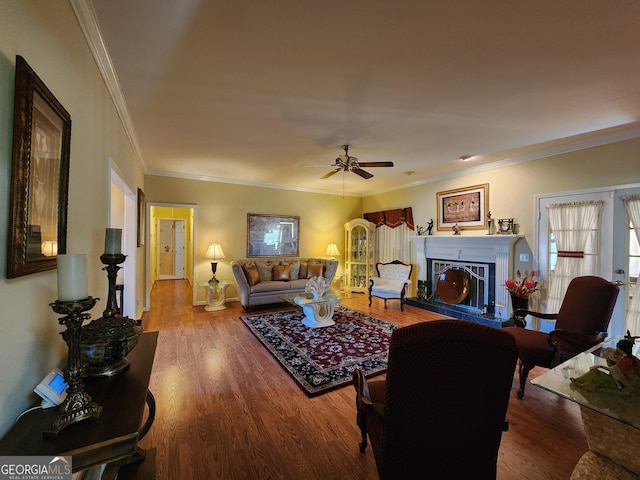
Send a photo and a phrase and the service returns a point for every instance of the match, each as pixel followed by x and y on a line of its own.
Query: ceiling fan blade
pixel 375 164
pixel 362 173
pixel 332 172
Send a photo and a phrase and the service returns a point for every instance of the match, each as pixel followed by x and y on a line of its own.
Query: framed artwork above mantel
pixel 273 235
pixel 465 207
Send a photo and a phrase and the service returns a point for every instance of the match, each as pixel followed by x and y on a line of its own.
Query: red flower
pixel 522 286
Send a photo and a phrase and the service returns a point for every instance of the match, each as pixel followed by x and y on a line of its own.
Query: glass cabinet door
pixel 359 235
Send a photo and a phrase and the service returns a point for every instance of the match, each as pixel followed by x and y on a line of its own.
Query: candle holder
pixel 107 340
pixel 78 405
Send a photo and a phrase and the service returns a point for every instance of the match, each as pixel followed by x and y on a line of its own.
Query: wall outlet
pixel 524 257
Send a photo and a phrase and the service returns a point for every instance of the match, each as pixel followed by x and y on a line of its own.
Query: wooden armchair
pixel 391 283
pixel 442 408
pixel 581 323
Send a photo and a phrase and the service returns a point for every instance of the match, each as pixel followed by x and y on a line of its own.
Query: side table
pixel 216 295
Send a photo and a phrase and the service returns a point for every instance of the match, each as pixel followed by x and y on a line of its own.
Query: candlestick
pixel 113 241
pixel 78 405
pixel 72 277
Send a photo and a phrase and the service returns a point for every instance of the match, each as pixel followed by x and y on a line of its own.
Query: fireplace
pixel 485 260
pixel 480 279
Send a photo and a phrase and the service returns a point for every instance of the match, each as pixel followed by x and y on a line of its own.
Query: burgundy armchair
pixel 442 408
pixel 581 323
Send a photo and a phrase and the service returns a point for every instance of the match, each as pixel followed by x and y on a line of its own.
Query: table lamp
pixel 49 248
pixel 214 252
pixel 332 251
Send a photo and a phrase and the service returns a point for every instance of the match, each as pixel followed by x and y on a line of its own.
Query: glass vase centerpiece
pixel 106 341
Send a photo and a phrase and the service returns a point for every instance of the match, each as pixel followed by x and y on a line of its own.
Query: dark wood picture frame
pixel 142 218
pixel 273 235
pixel 466 207
pixel 39 175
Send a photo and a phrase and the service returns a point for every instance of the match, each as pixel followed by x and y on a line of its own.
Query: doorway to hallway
pixel 172 249
pixel 171 244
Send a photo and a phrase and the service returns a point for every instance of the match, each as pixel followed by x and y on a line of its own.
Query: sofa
pixel 263 281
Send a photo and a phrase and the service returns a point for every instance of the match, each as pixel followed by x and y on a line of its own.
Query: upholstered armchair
pixel 441 409
pixel 391 283
pixel 581 323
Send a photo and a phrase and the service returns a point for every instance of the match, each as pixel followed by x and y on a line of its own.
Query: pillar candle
pixel 113 241
pixel 72 277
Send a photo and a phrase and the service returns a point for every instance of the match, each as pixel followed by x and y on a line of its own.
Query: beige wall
pixel 222 218
pixel 512 189
pixel 47 35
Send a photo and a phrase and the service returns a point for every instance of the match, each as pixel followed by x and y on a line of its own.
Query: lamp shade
pixel 214 252
pixel 49 248
pixel 332 250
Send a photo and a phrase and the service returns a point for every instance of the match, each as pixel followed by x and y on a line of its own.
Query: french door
pixel 611 246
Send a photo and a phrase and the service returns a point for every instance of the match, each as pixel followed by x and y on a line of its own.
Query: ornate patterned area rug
pixel 321 359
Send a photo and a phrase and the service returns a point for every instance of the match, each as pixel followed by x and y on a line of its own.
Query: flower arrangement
pixel 523 285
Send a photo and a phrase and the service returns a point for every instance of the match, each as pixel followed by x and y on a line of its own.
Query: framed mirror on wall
pixel 273 235
pixel 39 176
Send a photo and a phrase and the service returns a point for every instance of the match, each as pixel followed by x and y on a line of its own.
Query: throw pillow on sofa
pixel 282 272
pixel 314 270
pixel 265 269
pixel 295 270
pixel 251 272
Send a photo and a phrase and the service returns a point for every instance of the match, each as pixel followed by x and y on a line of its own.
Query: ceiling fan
pixel 347 163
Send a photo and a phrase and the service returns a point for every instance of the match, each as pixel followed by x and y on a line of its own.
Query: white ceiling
pixel 249 91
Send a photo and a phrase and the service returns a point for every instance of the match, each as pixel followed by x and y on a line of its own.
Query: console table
pixel 111 439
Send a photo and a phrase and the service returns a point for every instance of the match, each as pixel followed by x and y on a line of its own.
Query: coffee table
pixel 611 422
pixel 317 312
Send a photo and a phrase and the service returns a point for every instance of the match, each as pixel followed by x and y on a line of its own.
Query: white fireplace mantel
pixel 496 249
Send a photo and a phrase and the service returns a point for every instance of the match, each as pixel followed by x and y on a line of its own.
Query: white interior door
pixel 179 235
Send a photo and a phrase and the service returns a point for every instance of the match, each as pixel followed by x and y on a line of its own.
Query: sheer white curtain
pixel 393 228
pixel 576 227
pixel 393 243
pixel 632 322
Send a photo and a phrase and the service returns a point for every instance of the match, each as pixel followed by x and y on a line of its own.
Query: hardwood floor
pixel 227 410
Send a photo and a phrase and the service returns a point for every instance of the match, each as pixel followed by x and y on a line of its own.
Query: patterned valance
pixel 392 218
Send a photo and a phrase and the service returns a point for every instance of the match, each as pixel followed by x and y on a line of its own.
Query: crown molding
pixel 86 16
pixel 574 143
